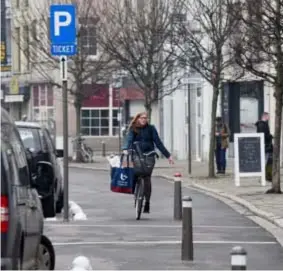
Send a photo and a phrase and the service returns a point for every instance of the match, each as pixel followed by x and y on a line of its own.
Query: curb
pixel 278 221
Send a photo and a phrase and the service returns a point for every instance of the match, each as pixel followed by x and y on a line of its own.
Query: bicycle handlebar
pixel 78 139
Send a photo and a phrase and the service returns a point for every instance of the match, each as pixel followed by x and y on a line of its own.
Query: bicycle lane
pixel 112 239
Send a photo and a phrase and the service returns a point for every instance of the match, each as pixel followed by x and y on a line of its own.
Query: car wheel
pixel 60 203
pixel 46 255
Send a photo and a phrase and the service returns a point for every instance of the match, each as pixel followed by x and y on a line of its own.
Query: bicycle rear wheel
pixel 139 197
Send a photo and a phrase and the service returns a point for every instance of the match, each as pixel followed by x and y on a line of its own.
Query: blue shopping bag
pixel 122 178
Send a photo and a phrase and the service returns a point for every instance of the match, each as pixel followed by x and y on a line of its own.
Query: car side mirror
pixel 45 170
pixel 59 153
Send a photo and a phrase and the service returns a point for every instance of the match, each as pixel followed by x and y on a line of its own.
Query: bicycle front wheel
pixel 139 198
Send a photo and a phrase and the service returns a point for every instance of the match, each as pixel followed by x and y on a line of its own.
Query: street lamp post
pixel 189 132
pixel 119 120
pixel 118 84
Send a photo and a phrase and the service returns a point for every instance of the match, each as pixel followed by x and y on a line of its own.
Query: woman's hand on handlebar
pixel 171 161
pixel 125 152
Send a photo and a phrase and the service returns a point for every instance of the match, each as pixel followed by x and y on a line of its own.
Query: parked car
pixel 23 245
pixel 38 143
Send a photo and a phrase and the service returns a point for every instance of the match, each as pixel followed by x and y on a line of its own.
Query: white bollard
pixel 81 263
pixel 238 258
pixel 177 196
pixel 76 211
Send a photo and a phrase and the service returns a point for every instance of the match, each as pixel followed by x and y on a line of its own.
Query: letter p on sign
pixel 62 26
pixel 58 22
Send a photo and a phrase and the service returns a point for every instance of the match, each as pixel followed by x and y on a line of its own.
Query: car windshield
pixel 30 138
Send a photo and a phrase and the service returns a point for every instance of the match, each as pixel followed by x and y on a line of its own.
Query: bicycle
pixel 85 151
pixel 139 197
pixel 139 186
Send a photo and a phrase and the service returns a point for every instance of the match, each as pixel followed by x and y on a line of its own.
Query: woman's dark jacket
pixel 148 138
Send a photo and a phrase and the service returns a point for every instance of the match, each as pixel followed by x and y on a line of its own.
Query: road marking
pixel 149 226
pixel 161 243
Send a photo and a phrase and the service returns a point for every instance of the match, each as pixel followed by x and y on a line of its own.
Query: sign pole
pixel 189 133
pixel 65 136
pixel 63 39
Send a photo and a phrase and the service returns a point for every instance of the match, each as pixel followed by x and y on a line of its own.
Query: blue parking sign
pixel 63 30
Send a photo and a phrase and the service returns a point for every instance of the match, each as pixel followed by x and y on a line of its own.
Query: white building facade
pixel 176 117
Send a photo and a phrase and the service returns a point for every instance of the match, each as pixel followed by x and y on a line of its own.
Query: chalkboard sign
pixel 249 154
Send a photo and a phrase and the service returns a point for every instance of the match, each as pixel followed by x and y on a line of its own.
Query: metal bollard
pixel 177 196
pixel 103 149
pixel 238 258
pixel 187 230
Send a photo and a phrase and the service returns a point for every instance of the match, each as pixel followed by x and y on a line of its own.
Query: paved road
pixel 113 239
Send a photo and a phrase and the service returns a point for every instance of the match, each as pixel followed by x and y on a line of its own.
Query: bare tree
pixel 89 66
pixel 204 41
pixel 259 49
pixel 138 37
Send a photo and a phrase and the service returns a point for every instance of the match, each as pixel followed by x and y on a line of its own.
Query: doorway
pixel 242 105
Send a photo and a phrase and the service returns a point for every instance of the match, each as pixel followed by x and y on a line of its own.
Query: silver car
pixel 23 245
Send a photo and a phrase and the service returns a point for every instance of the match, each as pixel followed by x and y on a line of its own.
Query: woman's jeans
pixel 220 156
pixel 147 187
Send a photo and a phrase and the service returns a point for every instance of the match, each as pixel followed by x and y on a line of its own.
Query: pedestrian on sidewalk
pixel 263 127
pixel 147 137
pixel 222 141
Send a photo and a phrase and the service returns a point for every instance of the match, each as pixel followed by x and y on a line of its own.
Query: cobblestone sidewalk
pixel 250 194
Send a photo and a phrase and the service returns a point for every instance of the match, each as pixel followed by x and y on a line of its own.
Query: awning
pixel 13 98
pixel 131 94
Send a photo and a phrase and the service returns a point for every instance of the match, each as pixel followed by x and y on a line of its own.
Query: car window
pixel 49 140
pixel 43 141
pixel 18 148
pixel 8 165
pixel 30 138
pixel 10 139
pixel 4 178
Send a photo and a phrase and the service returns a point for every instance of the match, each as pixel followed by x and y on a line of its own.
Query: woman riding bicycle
pixel 147 137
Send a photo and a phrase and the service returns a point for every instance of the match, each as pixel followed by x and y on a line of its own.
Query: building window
pixel 17 3
pixel 26 46
pixel 87 36
pixel 140 5
pixel 97 122
pixel 115 123
pixel 34 38
pixel 18 49
pixel 8 41
pixel 43 103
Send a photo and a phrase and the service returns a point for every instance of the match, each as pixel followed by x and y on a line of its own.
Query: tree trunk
pixel 78 106
pixel 148 111
pixel 211 171
pixel 277 142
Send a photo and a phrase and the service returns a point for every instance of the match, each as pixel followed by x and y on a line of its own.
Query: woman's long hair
pixel 134 125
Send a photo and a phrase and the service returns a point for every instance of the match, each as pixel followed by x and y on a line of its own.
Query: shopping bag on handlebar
pixel 143 164
pixel 122 177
